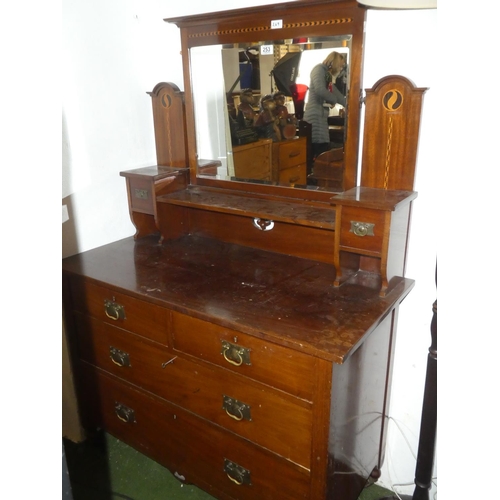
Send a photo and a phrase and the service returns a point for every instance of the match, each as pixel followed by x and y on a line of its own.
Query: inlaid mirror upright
pixel 247 75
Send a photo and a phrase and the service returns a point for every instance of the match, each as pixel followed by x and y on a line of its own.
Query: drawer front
pixel 277 366
pixel 292 153
pixel 123 311
pixel 294 175
pixel 356 222
pixel 274 420
pixel 141 194
pixel 192 448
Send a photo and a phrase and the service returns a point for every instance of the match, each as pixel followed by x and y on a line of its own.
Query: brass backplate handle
pixel 362 228
pixel 236 473
pixel 236 409
pixel 235 354
pixel 113 310
pixel 124 413
pixel 120 358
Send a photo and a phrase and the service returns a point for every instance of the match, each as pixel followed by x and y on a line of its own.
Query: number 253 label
pixel 266 50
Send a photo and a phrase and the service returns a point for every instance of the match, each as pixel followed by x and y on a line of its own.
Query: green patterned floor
pixel 116 471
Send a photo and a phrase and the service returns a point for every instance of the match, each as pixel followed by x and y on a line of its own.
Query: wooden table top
pixel 282 299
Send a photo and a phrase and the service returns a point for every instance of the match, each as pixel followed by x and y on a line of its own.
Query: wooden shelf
pixel 222 201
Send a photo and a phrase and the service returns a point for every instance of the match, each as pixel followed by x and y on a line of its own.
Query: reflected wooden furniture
pixel 208 167
pixel 290 161
pixel 253 160
pixel 328 170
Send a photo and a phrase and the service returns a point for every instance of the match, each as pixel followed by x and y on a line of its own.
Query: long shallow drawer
pixel 270 418
pixel 138 316
pixel 192 448
pixel 269 363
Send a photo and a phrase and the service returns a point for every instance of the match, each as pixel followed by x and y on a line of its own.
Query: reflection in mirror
pixel 249 103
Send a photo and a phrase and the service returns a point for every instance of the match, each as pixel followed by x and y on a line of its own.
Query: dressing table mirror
pixel 264 50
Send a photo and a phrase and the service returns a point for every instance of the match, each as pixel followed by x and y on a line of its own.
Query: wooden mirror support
pixel 392 127
pixel 170 173
pixel 373 220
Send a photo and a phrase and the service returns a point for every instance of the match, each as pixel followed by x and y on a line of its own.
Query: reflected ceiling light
pixel 400 4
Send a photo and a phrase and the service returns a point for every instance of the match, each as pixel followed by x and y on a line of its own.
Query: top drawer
pixel 137 316
pixel 274 365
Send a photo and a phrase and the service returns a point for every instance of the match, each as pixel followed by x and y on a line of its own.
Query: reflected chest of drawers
pixel 242 371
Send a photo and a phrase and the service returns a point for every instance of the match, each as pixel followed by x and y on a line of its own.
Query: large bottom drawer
pixel 190 447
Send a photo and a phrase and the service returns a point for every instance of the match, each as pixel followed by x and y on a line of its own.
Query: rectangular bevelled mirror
pixel 247 80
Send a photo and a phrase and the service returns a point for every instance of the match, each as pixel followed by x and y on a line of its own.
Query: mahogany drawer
pixel 192 448
pixel 270 418
pixel 369 236
pixel 291 153
pixel 124 311
pixel 277 366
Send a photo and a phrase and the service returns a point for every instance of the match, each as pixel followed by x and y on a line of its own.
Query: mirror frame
pixel 304 18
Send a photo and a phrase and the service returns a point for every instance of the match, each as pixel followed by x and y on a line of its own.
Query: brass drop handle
pixel 235 353
pixel 120 358
pixel 236 417
pixel 293 180
pixel 124 413
pixel 236 409
pixel 239 482
pixel 113 310
pixel 236 473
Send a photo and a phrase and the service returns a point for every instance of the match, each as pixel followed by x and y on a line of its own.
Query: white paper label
pixel 266 50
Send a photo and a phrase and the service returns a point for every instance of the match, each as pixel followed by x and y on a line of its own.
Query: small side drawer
pixel 363 229
pixel 291 153
pixel 141 194
pixel 274 365
pixel 194 449
pixel 138 316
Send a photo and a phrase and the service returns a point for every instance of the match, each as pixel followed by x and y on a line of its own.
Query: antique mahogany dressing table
pixel 244 336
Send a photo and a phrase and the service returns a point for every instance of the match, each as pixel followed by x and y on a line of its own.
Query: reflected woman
pixel 323 94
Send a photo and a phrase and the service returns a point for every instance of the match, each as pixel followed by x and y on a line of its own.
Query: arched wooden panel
pixel 391 133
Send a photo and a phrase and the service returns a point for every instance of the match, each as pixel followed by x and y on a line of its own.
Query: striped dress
pixel 316 114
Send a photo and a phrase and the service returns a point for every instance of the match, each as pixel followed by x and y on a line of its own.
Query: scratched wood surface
pixel 284 299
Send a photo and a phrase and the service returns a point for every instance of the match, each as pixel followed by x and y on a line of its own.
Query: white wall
pixel 115 51
pixel 403 43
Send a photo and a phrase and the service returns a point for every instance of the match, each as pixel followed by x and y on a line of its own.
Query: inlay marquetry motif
pixel 254 29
